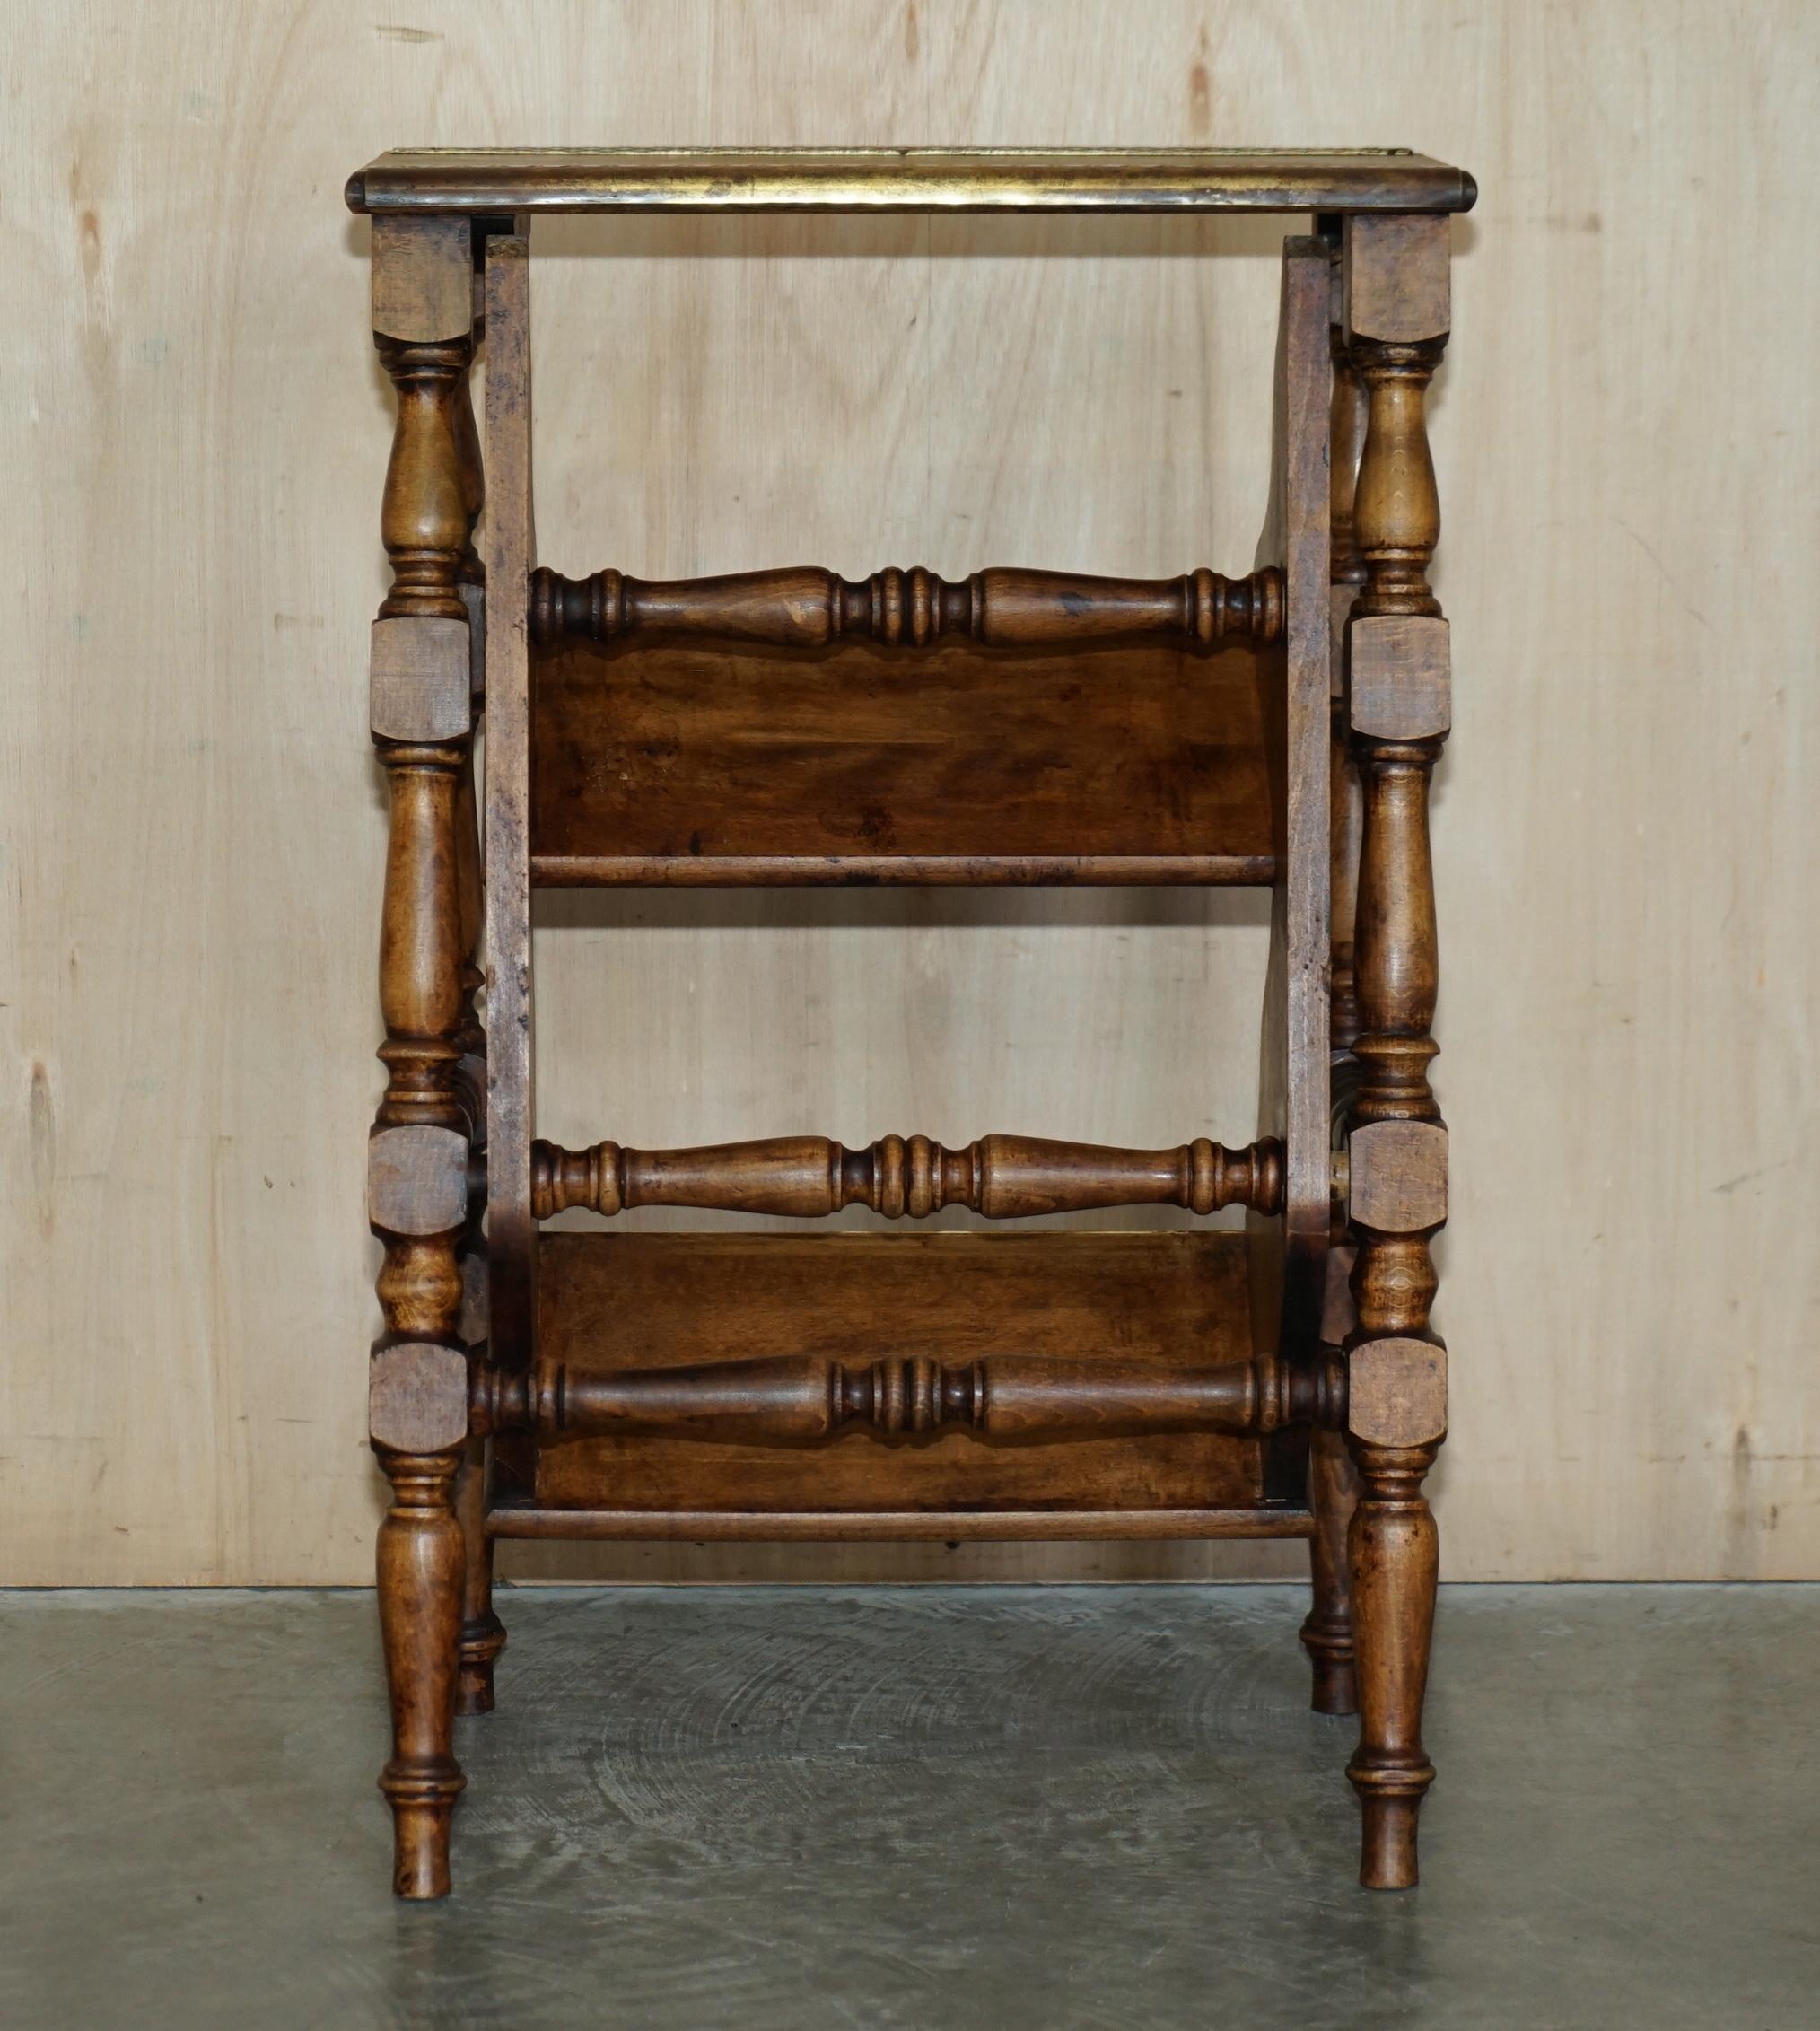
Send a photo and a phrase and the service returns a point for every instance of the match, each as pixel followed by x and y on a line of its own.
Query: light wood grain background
pixel 194 440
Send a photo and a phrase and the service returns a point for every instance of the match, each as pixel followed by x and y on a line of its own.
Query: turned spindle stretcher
pixel 1275 729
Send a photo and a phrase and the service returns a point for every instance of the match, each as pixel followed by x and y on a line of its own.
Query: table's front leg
pixel 1397 707
pixel 418 1157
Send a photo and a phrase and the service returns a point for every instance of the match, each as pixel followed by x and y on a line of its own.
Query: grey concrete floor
pixel 933 1807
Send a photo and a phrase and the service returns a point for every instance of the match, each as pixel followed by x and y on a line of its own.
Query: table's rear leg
pixel 1327 1630
pixel 483 1634
pixel 1328 1634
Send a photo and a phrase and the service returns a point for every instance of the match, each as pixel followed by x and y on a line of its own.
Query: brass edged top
pixel 908 179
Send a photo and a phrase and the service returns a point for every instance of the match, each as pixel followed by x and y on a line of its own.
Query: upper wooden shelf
pixel 908 179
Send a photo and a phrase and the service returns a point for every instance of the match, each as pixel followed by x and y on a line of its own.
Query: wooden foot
pixel 1328 1632
pixel 1395 1563
pixel 1388 1858
pixel 420 1570
pixel 421 1809
pixel 483 1634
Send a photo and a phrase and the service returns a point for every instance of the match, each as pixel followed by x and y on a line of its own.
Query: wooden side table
pixel 1276 730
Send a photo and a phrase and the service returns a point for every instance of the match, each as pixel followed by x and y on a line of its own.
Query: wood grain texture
pixel 1627 841
pixel 856 759
pixel 610 1303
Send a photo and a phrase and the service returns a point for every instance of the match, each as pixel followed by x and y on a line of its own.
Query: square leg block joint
pixel 1396 1392
pixel 1398 1176
pixel 422 679
pixel 1396 277
pixel 418 1398
pixel 1400 677
pixel 423 278
pixel 417 1180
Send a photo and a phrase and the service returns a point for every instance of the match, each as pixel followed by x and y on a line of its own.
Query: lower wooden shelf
pixel 610 1301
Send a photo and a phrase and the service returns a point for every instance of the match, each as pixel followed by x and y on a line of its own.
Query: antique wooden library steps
pixel 1275 729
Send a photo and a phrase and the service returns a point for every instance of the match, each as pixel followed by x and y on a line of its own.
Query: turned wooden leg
pixel 1398 700
pixel 420 1567
pixel 483 1634
pixel 418 1161
pixel 1395 1563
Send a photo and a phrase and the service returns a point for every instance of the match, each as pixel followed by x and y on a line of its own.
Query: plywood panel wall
pixel 191 828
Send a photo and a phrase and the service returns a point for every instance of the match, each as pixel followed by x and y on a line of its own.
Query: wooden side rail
pixel 804 1398
pixel 805 607
pixel 1001 1177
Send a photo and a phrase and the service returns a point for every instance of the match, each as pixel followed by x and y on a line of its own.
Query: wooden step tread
pixel 672 764
pixel 610 1301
